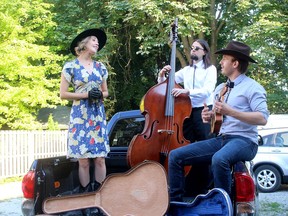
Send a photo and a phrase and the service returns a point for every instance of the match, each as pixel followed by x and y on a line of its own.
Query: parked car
pixel 271 162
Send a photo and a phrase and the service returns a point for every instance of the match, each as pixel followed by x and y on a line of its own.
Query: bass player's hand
pixel 177 91
pixel 166 69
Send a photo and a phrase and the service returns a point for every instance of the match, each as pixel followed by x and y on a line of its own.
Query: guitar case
pixel 143 190
pixel 215 203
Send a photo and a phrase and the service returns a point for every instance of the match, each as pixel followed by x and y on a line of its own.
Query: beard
pixel 194 57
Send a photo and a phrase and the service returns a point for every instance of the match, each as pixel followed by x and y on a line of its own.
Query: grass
pixel 11 179
pixel 273 208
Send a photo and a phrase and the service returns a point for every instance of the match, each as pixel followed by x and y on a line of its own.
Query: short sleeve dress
pixel 87 133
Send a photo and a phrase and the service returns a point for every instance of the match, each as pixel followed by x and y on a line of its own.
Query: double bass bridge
pixel 165 131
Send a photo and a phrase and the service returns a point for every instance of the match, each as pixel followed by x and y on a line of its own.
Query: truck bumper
pixel 27 207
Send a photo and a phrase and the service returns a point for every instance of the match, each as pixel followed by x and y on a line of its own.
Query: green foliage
pixel 35 39
pixel 11 179
pixel 274 207
pixel 28 68
pixel 263 25
pixel 52 125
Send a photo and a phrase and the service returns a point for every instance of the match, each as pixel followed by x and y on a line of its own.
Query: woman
pixel 87 135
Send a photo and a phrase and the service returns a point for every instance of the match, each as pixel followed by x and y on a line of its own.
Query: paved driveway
pixel 274 204
pixel 10 199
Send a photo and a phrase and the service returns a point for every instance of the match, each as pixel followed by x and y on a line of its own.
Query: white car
pixel 271 161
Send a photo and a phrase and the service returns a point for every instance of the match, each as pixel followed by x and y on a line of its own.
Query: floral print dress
pixel 87 133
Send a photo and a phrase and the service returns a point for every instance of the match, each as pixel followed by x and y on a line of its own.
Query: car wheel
pixel 268 178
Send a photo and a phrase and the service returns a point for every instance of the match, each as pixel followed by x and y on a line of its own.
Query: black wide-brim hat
pixel 101 36
pixel 238 50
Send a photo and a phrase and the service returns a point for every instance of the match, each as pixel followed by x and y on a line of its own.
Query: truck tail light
pixel 245 187
pixel 28 185
pixel 245 198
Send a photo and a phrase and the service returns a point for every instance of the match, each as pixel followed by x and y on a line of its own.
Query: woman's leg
pixel 84 175
pixel 100 169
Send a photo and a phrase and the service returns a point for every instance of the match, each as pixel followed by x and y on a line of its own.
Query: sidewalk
pixel 11 190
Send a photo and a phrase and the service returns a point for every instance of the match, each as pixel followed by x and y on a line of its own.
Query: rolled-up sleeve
pixel 258 101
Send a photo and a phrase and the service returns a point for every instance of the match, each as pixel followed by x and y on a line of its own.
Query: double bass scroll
pixel 163 131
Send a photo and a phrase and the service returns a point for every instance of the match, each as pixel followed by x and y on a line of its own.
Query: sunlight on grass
pixel 11 179
pixel 271 207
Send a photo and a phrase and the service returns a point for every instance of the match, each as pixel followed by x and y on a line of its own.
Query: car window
pixel 284 138
pixel 268 140
pixel 125 130
pixel 277 139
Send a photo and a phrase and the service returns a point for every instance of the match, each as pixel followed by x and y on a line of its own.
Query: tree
pixel 254 22
pixel 52 125
pixel 143 28
pixel 138 39
pixel 263 25
pixel 27 65
pixel 36 35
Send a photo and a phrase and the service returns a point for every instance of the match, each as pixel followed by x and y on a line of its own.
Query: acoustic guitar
pixel 143 190
pixel 217 118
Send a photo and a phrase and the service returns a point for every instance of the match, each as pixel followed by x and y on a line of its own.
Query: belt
pixel 198 108
pixel 224 136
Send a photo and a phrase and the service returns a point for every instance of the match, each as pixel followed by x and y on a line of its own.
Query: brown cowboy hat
pixel 101 36
pixel 238 50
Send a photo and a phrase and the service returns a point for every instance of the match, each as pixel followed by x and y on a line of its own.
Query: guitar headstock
pixel 223 92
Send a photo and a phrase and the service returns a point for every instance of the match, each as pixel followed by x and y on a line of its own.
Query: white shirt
pixel 204 84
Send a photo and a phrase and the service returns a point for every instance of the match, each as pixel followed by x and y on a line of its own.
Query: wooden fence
pixel 18 149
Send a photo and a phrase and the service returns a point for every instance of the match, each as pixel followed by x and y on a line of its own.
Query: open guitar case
pixel 215 203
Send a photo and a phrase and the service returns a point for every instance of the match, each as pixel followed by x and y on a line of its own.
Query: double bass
pixel 164 116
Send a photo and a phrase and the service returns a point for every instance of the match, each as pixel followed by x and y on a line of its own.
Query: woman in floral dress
pixel 87 135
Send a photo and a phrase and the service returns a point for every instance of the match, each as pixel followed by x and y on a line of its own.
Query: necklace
pixel 88 62
pixel 85 61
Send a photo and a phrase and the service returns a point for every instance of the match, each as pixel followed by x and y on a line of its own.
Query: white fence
pixel 18 149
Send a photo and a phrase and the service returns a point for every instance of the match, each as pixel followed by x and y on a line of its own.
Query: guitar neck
pixel 74 202
pixel 217 118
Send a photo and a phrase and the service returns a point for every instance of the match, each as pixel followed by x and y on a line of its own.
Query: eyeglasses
pixel 196 48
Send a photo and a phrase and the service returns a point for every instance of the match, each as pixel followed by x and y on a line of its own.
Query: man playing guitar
pixel 243 108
